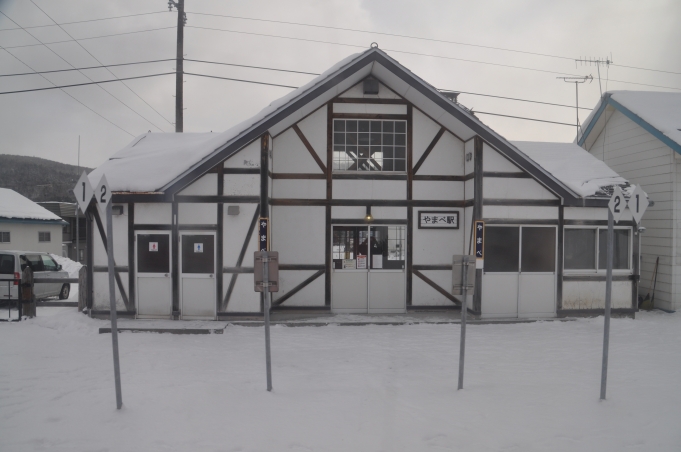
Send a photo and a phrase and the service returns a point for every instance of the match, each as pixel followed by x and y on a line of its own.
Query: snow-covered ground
pixel 528 387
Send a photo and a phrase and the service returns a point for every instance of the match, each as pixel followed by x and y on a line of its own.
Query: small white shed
pixel 24 225
pixel 638 134
pixel 371 179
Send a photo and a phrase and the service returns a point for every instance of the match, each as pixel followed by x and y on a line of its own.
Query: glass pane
pixel 6 264
pixel 363 138
pixel 375 126
pixel 49 264
pixel 400 165
pixel 339 125
pixel 363 126
pixel 388 126
pixel 388 139
pixel 620 255
pixel 338 138
pixel 351 138
pixel 346 251
pixel 387 165
pixel 387 247
pixel 387 152
pixel 198 254
pixel 153 253
pixel 501 249
pixel 400 152
pixel 351 126
pixel 580 249
pixel 401 126
pixel 400 140
pixel 35 262
pixel 538 252
pixel 376 139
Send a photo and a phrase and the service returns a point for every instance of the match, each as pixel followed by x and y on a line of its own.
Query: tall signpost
pixel 638 202
pixel 103 197
pixel 266 274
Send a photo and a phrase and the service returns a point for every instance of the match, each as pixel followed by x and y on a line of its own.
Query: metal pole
pixel 179 68
pixel 608 292
pixel 266 308
pixel 577 109
pixel 464 308
pixel 112 305
pixel 77 228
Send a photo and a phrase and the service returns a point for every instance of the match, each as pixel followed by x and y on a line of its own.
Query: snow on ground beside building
pixel 529 387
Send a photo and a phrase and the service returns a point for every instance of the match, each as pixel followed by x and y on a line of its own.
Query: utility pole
pixel 577 81
pixel 598 61
pixel 179 66
pixel 77 219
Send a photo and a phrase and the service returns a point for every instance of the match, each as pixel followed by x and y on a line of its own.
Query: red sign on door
pixel 153 246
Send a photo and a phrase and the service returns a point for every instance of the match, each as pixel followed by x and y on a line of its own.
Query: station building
pixel 371 179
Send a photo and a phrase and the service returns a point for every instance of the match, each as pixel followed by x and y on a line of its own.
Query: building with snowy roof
pixel 638 134
pixel 24 225
pixel 371 180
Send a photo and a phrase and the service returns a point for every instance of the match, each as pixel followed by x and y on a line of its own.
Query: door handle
pixel 211 276
pixel 166 275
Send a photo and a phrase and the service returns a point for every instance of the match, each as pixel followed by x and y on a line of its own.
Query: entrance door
pixel 368 269
pixel 198 284
pixel 154 284
pixel 520 271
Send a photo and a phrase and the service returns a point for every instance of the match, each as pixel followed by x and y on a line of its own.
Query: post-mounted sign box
pixel 273 267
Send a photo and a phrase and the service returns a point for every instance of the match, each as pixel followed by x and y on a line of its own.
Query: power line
pixel 251 67
pixel 83 21
pixel 85 39
pixel 513 98
pixel 386 34
pixel 84 83
pixel 85 68
pixel 521 117
pixel 107 69
pixel 646 69
pixel 239 80
pixel 106 119
pixel 387 50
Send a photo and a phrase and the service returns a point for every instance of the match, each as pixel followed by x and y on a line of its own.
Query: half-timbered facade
pixel 371 179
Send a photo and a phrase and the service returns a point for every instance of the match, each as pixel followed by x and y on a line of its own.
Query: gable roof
pixel 291 108
pixel 659 113
pixel 15 207
pixel 575 167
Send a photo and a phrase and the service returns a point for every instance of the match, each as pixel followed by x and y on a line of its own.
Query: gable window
pixel 4 236
pixel 585 249
pixel 44 237
pixel 369 145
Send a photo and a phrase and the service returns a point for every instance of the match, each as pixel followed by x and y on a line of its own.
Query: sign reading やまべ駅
pixel 438 220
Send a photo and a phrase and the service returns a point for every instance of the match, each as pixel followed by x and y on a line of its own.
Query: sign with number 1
pixel 83 192
pixel 638 203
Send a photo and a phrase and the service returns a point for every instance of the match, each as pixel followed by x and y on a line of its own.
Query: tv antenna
pixel 577 81
pixel 598 62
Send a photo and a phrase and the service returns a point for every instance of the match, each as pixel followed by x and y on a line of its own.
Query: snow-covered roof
pixel 661 110
pixel 152 160
pixel 575 167
pixel 15 206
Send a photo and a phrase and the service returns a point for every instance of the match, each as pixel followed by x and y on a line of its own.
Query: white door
pixel 198 284
pixel 153 281
pixel 368 269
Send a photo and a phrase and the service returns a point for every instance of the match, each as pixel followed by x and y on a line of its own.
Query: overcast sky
pixel 644 34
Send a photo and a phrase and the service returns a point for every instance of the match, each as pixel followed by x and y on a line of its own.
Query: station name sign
pixel 438 220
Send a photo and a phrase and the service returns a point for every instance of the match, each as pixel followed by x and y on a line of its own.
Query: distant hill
pixel 39 179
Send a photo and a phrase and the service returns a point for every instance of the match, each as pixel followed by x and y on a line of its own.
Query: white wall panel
pixel 298 234
pixel 314 129
pixel 204 185
pixel 469 148
pixel 291 156
pixel 446 158
pixel 591 294
pixel 529 212
pixel 424 130
pixel 100 299
pixel 351 212
pixel 494 161
pixel 510 188
pixel 436 246
pixel 310 295
pixel 387 213
pixel 241 185
pixel 235 230
pixel 199 213
pixel 424 295
pixel 299 188
pixel 388 109
pixel 153 213
pixel 25 237
pixel 369 189
pixel 443 190
pixel 243 298
pixel 248 157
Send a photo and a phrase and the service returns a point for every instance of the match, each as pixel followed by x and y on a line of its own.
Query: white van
pixel 12 263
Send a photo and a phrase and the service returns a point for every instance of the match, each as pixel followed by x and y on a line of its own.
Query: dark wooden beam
pixel 283 267
pixel 371 202
pixel 506 175
pixel 152 227
pixel 433 267
pixel 437 178
pixel 219 237
pixel 309 147
pixel 369 116
pixel 369 175
pixel 297 176
pixel 211 199
pixel 253 171
pixel 559 276
pixel 521 202
pixel 131 255
pixel 366 100
pixel 124 197
pixel 428 150
pixel 569 278
pixel 298 288
pixel 355 221
pixel 410 208
pixel 329 196
pixel 546 221
pixel 477 214
pixel 175 253
pixel 89 257
pixel 237 270
pixel 595 223
pixel 434 285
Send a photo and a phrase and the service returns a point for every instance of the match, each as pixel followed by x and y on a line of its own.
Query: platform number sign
pixel 638 203
pixel 479 239
pixel 263 234
pixel 617 204
pixel 103 194
pixel 83 192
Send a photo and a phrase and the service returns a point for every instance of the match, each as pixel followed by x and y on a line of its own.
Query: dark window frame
pixel 4 234
pixel 381 148
pixel 43 234
pixel 597 257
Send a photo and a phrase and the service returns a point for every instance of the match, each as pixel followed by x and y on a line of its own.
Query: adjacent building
pixel 638 134
pixel 371 180
pixel 74 241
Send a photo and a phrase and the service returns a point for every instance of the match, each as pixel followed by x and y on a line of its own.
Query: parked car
pixel 12 263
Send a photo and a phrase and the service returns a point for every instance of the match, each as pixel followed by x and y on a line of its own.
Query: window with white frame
pixel 369 145
pixel 4 236
pixel 585 249
pixel 44 237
